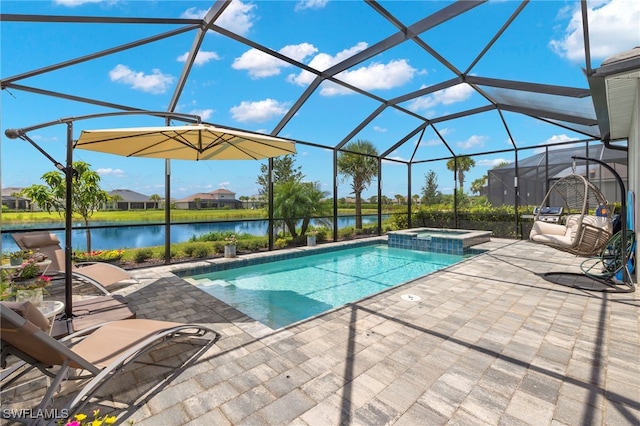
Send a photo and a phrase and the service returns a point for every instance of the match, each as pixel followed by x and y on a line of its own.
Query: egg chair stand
pixel 611 260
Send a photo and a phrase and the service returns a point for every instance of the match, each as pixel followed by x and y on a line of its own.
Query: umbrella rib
pixel 178 137
pixel 220 141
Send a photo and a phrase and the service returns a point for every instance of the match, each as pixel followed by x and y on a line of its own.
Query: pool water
pixel 283 292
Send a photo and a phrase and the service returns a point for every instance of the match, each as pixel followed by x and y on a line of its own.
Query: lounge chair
pixel 24 335
pixel 91 312
pixel 100 274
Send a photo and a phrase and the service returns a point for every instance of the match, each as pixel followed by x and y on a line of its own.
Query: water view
pixel 129 237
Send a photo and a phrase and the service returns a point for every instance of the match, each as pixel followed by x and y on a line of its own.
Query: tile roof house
pixel 13 201
pixel 131 200
pixel 218 199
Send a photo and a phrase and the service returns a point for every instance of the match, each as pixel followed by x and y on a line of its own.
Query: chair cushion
pixel 30 312
pixel 40 240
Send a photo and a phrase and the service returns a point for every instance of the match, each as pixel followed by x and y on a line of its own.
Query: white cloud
pixel 202 57
pixel 431 142
pixel 74 3
pixel 394 163
pixel 204 114
pixel 558 139
pixel 379 129
pixel 155 83
pixel 474 140
pixel 259 111
pixel 194 13
pixel 613 28
pixel 322 61
pixel 261 65
pixel 374 76
pixel 237 17
pixel 458 93
pixel 554 140
pixel 311 4
pixel 492 162
pixel 118 173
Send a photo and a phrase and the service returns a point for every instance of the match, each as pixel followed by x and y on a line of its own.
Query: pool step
pixel 205 282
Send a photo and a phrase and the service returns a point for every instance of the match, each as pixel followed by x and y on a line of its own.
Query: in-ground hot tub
pixel 452 241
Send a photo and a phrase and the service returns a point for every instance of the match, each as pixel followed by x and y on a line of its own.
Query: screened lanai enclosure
pixel 430 84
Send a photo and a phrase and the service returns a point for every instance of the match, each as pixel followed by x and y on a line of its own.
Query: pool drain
pixel 410 297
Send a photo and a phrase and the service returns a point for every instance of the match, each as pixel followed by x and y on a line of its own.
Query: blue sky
pixel 234 85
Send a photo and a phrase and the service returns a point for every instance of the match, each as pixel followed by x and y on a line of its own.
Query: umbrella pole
pixel 69 173
pixel 167 211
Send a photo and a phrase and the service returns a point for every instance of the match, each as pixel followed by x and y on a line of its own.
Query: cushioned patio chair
pixel 100 274
pixel 579 232
pixel 85 356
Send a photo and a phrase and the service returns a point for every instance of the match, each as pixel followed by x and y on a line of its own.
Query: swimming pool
pixel 283 292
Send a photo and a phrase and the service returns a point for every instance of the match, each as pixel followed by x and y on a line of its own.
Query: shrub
pixel 201 251
pixel 189 249
pixel 142 255
pixel 346 232
pixel 281 243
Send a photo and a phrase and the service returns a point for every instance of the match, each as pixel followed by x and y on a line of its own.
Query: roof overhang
pixel 614 89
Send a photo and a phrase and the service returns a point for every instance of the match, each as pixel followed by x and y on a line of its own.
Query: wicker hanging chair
pixel 586 222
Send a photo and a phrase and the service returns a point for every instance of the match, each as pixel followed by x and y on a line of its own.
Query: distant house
pixel 125 199
pixel 218 199
pixel 14 201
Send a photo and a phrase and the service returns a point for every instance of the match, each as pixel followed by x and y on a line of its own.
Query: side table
pixel 51 308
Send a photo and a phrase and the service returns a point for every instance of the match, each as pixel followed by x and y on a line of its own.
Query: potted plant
pixel 230 246
pixel 29 283
pixel 312 237
pixel 16 257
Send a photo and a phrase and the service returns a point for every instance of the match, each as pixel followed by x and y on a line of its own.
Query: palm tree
pixel 245 201
pixel 156 199
pixel 115 199
pixel 465 163
pixel 293 200
pixel 478 184
pixel 360 168
pixel 16 195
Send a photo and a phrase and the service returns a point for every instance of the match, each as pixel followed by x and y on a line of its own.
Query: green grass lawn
pixel 151 216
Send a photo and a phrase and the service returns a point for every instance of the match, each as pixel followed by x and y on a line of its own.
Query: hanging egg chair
pixel 586 222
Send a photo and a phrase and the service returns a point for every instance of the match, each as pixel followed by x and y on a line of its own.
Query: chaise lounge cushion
pixel 41 239
pixel 30 312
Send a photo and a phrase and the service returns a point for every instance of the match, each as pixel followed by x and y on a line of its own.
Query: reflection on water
pixel 153 235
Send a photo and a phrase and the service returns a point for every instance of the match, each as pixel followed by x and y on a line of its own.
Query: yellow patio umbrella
pixel 189 142
pixel 186 142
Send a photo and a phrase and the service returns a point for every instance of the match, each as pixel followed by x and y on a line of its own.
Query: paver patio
pixel 489 342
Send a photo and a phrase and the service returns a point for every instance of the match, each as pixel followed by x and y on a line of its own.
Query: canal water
pixel 130 237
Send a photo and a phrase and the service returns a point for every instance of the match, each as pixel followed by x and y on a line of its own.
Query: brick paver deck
pixel 489 342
